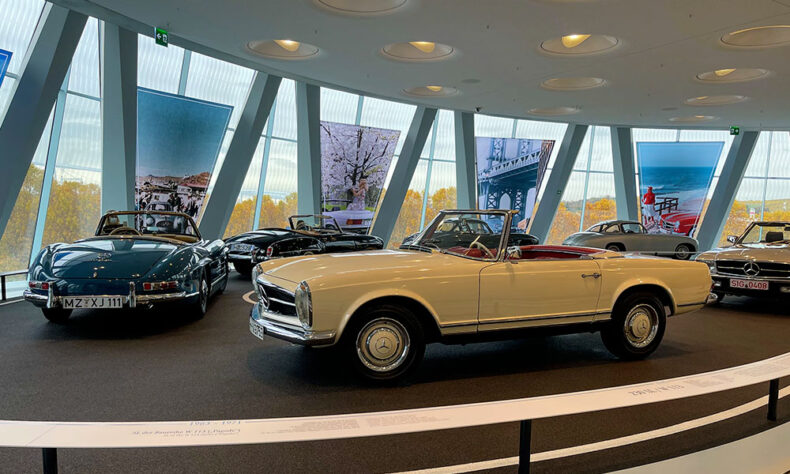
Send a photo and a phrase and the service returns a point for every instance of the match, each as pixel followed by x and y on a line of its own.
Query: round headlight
pixel 304 305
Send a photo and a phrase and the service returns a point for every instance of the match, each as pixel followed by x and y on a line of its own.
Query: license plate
pixel 90 302
pixel 256 329
pixel 242 247
pixel 749 284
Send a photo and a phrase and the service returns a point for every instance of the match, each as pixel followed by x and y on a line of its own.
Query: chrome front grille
pixel 753 269
pixel 276 299
pixel 667 225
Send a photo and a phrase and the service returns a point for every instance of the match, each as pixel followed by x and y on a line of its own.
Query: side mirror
pixel 732 239
pixel 513 254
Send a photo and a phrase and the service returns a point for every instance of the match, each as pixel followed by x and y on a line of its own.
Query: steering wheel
pixel 479 245
pixel 125 230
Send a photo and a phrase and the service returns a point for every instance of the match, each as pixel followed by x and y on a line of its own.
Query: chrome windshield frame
pixel 503 238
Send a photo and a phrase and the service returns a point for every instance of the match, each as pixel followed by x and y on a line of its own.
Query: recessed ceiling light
pixel 551 111
pixel 573 83
pixel 424 46
pixel 759 37
pixel 693 119
pixel 288 45
pixel 417 51
pixel 579 44
pixel 361 7
pixel 571 41
pixel 431 91
pixel 282 49
pixel 716 99
pixel 733 75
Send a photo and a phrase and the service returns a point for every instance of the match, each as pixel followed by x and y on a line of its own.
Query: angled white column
pixel 43 70
pixel 308 148
pixel 237 159
pixel 558 178
pixel 624 174
pixel 465 171
pixel 724 194
pixel 119 117
pixel 404 170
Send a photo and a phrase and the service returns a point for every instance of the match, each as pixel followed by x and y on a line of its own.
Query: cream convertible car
pixel 382 306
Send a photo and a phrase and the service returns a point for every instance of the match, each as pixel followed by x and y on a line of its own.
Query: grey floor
pixel 159 365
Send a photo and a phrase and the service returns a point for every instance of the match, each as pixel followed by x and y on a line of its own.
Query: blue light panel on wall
pixel 5 60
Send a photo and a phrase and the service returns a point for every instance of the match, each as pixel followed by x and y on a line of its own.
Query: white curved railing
pixel 51 435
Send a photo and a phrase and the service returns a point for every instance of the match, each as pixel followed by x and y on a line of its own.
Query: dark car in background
pixel 306 235
pixel 467 225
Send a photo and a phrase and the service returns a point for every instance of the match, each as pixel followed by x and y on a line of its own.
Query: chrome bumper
pixel 712 298
pixel 287 332
pixel 132 299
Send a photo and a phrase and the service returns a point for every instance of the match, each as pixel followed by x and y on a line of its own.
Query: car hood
pixel 382 262
pixel 109 257
pixel 678 216
pixel 774 252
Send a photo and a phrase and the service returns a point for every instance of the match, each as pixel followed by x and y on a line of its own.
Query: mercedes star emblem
pixel 751 269
pixel 382 344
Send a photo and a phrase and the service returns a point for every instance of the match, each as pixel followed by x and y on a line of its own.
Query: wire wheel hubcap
pixel 641 325
pixel 383 344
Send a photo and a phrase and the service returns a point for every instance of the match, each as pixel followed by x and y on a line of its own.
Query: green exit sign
pixel 161 35
pixel 735 130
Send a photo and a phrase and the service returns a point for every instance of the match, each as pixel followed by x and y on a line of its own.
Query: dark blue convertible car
pixel 136 259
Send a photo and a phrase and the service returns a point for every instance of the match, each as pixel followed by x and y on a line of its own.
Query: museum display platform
pixel 158 366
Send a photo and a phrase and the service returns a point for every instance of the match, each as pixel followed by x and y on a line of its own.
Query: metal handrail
pixel 3 276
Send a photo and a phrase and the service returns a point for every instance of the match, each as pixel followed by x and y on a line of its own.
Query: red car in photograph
pixel 679 222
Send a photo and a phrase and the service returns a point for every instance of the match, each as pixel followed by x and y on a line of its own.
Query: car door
pixel 538 292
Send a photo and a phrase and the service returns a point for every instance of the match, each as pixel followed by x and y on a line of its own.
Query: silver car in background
pixel 631 236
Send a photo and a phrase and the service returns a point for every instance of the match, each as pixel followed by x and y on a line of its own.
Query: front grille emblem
pixel 104 257
pixel 751 269
pixel 264 297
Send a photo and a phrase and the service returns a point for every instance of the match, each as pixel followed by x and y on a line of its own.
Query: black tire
pixel 56 315
pixel 199 308
pixel 683 252
pixel 615 248
pixel 245 269
pixel 397 333
pixel 637 326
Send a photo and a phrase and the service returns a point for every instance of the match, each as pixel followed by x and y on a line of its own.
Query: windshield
pixel 314 224
pixel 468 234
pixel 147 223
pixel 766 233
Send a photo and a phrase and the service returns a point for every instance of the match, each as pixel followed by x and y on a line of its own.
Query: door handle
pixel 591 275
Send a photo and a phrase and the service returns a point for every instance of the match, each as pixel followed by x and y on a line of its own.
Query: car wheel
pixel 637 327
pixel 386 343
pixel 201 304
pixel 614 248
pixel 56 315
pixel 683 252
pixel 245 269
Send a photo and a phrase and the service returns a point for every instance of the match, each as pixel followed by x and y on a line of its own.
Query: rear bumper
pixel 50 300
pixel 288 332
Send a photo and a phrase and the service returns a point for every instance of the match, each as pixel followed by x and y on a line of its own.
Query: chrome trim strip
pixel 294 334
pixel 692 304
pixel 542 318
pixel 164 297
pixel 214 281
pixel 276 300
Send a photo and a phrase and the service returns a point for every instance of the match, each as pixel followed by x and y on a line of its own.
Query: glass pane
pixel 411 211
pixel 75 203
pixel 17 25
pixel 601 159
pixel 279 199
pixel 780 155
pixel 338 106
pixel 442 189
pixel 217 81
pixel 747 207
pixel 495 127
pixel 285 111
pixel 241 219
pixel 758 163
pixel 158 67
pixel 444 149
pixel 389 115
pixel 5 95
pixel 777 196
pixel 600 204
pixel 84 76
pixel 569 213
pixel 583 158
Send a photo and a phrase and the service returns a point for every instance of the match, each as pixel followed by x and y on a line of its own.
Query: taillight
pixel 269 251
pixel 354 221
pixel 38 285
pixel 160 285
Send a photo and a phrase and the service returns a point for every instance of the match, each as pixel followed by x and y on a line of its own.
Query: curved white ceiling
pixel 662 47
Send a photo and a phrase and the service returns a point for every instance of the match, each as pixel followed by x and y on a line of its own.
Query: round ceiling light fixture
pixel 759 37
pixel 431 91
pixel 693 119
pixel 361 7
pixel 728 75
pixel 554 111
pixel 573 83
pixel 417 51
pixel 579 44
pixel 282 49
pixel 725 99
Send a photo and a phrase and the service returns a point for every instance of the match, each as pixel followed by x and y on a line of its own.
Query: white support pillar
pixel 724 194
pixel 119 117
pixel 308 148
pixel 239 156
pixel 558 178
pixel 624 174
pixel 404 170
pixel 44 68
pixel 465 169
